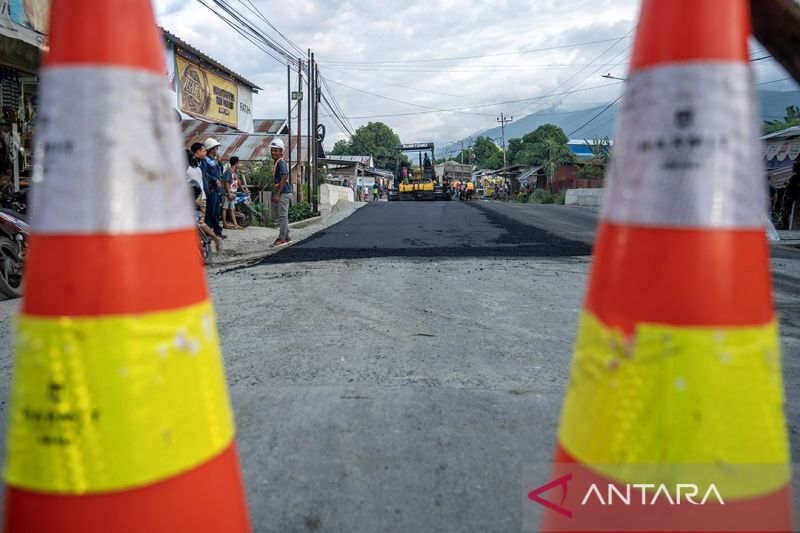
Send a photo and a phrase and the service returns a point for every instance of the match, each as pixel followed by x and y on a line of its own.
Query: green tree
pixel 595 168
pixel 553 155
pixel 487 154
pixel 259 175
pixel 792 118
pixel 546 146
pixel 375 139
pixel 529 150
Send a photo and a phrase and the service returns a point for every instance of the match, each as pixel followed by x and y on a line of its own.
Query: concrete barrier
pixel 585 197
pixel 330 195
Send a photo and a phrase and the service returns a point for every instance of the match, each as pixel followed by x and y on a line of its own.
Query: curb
pixel 305 223
pixel 319 220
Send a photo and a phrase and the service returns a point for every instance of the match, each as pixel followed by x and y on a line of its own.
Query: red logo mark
pixel 561 482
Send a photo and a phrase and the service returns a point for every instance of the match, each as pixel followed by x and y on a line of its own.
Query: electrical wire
pixel 478 106
pixel 433 60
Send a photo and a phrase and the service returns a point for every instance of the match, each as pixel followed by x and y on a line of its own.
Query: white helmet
pixel 210 144
pixel 277 143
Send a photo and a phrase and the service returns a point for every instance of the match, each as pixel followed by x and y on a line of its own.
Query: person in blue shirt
pixel 212 177
pixel 282 195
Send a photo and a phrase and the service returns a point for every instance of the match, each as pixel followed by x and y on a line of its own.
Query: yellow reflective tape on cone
pixel 112 403
pixel 683 397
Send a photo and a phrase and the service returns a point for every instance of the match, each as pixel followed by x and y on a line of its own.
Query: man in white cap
pixel 212 175
pixel 282 195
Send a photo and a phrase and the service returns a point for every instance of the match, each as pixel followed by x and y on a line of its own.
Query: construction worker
pixel 470 190
pixel 282 195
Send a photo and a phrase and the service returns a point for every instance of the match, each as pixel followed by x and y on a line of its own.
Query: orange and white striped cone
pixel 676 377
pixel 119 419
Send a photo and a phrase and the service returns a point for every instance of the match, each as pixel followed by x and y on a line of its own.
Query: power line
pixel 407 86
pixel 590 75
pixel 259 14
pixel 433 60
pixel 400 101
pixel 462 69
pixel 774 81
pixel 595 60
pixel 337 108
pixel 478 106
pixel 617 99
pixel 240 31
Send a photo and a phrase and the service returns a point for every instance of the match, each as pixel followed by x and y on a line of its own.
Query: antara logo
pixel 645 494
pixel 662 493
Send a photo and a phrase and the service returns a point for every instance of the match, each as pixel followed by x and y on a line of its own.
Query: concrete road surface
pixel 398 371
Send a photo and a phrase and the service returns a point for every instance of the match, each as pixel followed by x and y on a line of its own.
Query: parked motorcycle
pixel 245 210
pixel 14 238
pixel 14 201
pixel 206 252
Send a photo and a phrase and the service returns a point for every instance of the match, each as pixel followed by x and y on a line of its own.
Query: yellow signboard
pixel 205 95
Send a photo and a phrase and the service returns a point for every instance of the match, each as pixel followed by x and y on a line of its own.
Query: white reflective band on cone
pixel 687 152
pixel 100 163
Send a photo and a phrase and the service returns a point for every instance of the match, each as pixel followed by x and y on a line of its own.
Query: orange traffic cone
pixel 676 383
pixel 120 419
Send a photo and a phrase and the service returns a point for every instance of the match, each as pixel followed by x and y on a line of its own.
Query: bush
pixel 301 211
pixel 560 198
pixel 522 197
pixel 258 175
pixel 542 196
pixel 261 208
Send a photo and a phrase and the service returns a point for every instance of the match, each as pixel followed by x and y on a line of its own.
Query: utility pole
pixel 503 120
pixel 461 142
pixel 315 168
pixel 310 131
pixel 300 166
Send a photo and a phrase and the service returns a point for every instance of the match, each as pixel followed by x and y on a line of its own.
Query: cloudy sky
pixel 402 63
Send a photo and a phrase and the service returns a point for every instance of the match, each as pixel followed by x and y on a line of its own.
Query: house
pixel 780 149
pixel 355 170
pixel 567 176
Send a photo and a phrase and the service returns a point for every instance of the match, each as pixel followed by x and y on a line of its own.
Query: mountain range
pixel 574 123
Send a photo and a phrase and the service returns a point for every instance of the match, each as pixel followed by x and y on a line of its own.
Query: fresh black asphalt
pixel 445 230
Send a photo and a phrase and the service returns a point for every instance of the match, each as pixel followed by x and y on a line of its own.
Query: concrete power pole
pixel 299 100
pixel 309 98
pixel 503 120
pixel 317 96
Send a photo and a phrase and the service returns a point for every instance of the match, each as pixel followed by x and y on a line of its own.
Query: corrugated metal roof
pixel 365 160
pixel 249 147
pixel 188 47
pixel 788 133
pixel 269 126
pixel 780 177
pixel 200 128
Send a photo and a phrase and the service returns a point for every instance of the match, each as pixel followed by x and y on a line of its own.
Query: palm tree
pixel 792 118
pixel 553 156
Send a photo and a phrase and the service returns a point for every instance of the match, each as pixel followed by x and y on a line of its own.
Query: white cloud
pixel 354 39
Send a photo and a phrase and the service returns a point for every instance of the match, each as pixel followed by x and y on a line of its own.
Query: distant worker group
pixel 463 190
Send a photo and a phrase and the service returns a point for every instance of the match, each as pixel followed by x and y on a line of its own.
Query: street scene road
pixel 325 267
pixel 397 371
